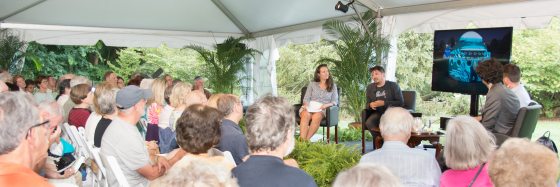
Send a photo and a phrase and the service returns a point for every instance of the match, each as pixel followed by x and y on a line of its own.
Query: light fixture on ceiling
pixel 342 7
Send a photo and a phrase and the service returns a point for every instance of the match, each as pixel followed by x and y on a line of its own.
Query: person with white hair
pixel 368 174
pixel 414 167
pixel 23 149
pixel 270 136
pixel 467 148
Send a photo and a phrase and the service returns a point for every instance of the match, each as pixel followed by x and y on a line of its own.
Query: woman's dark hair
pixel 198 128
pixel 62 87
pixel 490 71
pixel 316 77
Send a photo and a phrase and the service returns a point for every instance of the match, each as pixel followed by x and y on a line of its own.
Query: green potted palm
pixel 357 48
pixel 225 62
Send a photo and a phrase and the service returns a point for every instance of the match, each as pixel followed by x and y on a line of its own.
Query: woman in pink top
pixel 154 107
pixel 468 146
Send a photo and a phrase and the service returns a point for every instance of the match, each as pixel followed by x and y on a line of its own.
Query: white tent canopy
pixel 147 23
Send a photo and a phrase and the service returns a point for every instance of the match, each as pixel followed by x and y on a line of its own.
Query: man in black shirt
pixel 381 94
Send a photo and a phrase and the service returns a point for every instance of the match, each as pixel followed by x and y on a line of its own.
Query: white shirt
pixel 522 95
pixel 414 167
pixel 164 116
pixel 91 124
pixel 62 99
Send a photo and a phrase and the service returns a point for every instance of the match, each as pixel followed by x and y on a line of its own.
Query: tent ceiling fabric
pixel 146 23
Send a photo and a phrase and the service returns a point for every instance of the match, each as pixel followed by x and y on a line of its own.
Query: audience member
pixel 169 115
pixel 43 94
pixel 3 87
pixel 270 136
pixel 467 148
pixel 76 80
pixel 120 82
pixel 365 175
pixel 52 84
pixel 51 111
pixel 381 94
pixel 63 92
pixel 519 162
pixel 414 167
pixel 154 107
pixel 30 86
pixel 111 79
pixel 200 174
pixel 501 106
pixel 20 82
pixel 511 79
pixel 168 80
pixel 198 130
pixel 105 110
pixel 136 80
pixel 23 149
pixel 232 138
pixel 321 90
pixel 199 85
pixel 123 140
pixel 213 100
pixel 81 95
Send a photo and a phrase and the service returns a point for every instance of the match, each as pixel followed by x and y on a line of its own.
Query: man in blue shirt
pixel 232 138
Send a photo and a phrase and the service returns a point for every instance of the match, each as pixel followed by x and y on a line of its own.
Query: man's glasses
pixel 45 123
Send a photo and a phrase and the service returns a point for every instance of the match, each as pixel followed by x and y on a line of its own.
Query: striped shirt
pixel 315 93
pixel 414 167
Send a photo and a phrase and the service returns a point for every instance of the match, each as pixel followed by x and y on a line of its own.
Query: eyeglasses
pixel 46 123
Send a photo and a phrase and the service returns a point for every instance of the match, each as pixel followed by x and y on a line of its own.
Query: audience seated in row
pixel 414 167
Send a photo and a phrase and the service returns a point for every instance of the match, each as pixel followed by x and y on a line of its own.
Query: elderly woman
pixel 468 146
pixel 198 130
pixel 321 91
pixel 519 162
pixel 105 110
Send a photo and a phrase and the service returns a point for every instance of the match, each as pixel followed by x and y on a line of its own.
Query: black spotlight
pixel 341 7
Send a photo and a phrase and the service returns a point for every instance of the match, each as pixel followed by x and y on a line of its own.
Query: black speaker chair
pixel 524 125
pixel 330 120
pixel 409 103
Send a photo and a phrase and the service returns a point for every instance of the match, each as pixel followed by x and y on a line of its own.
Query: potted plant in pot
pixel 358 47
pixel 225 62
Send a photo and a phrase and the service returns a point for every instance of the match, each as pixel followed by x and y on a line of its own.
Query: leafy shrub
pixel 324 161
pixel 351 134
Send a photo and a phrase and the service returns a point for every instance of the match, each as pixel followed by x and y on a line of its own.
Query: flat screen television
pixel 458 52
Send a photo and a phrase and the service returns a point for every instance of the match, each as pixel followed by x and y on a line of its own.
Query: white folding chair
pixel 116 171
pixel 68 132
pixel 229 157
pixel 80 141
pixel 101 175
